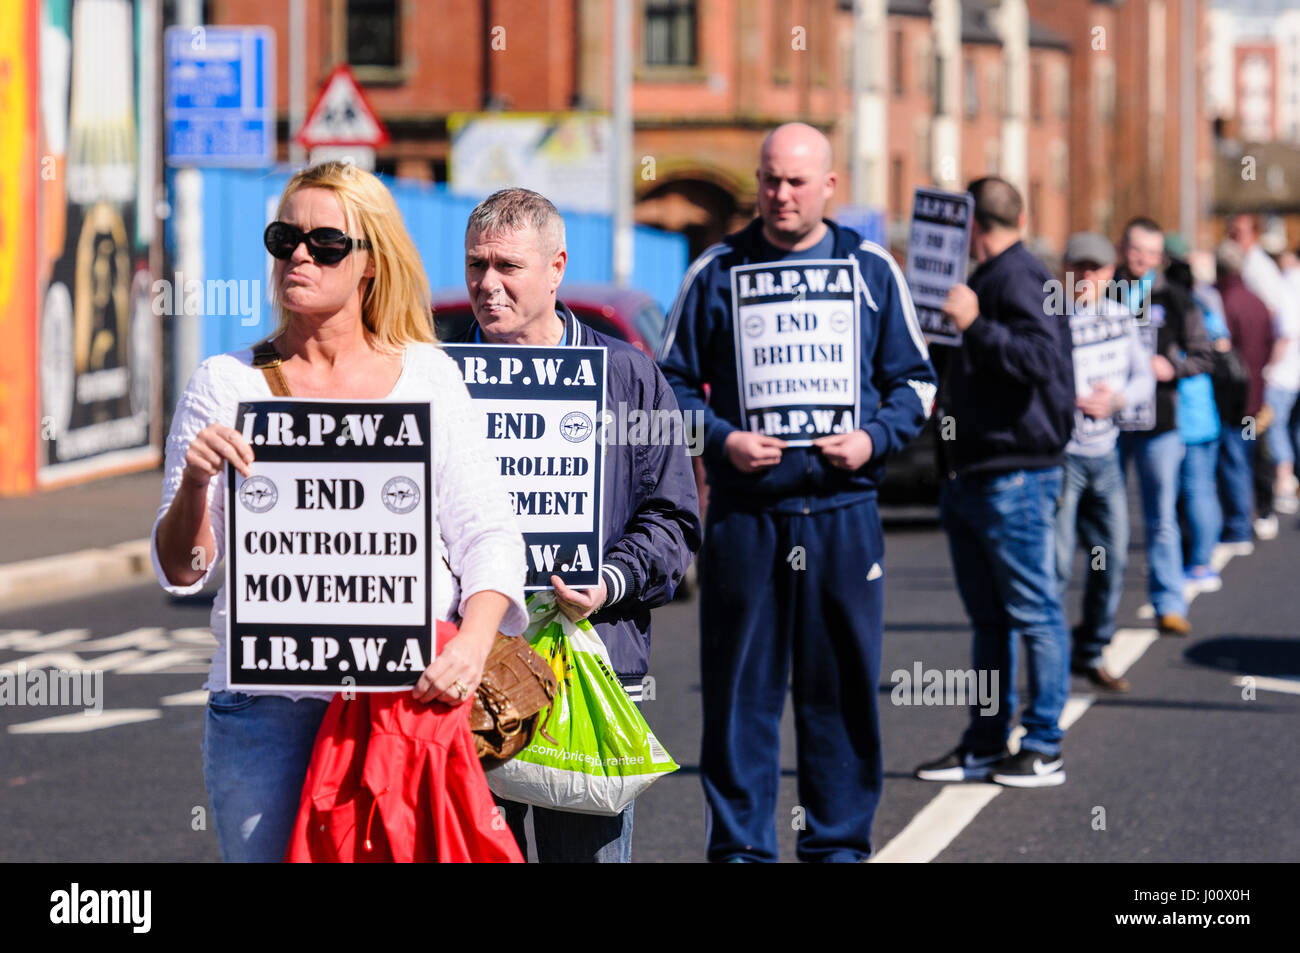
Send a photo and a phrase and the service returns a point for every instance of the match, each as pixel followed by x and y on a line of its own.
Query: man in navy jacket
pixel 1009 391
pixel 514 262
pixel 792 565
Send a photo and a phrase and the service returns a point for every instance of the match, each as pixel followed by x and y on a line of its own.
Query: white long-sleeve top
pixel 477 533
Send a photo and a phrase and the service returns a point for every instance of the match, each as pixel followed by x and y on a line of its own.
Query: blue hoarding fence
pixel 238 203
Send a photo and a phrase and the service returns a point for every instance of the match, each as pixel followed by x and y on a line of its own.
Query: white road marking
pixel 84 721
pixel 30 640
pixel 935 825
pixel 175 661
pixel 197 697
pixel 1126 647
pixel 150 639
pixel 1289 685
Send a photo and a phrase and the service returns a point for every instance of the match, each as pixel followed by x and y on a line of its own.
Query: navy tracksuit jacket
pixel 791 570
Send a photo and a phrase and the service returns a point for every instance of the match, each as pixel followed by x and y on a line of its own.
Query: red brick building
pixel 711 77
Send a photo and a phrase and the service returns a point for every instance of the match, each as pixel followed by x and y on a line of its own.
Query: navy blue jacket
pixel 1010 386
pixel 651 509
pixel 897 381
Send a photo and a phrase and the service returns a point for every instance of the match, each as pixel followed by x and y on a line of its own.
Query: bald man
pixel 806 336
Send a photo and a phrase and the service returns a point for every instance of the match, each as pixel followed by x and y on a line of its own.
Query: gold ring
pixel 461 688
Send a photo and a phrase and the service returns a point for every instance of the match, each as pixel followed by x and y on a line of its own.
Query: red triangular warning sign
pixel 341 115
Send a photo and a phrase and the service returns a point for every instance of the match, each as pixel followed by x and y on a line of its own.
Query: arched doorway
pixel 702 210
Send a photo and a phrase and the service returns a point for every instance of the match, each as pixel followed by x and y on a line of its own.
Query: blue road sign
pixel 220 105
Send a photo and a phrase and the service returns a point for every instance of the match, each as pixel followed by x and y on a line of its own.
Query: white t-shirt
pixel 477 533
pixel 1261 275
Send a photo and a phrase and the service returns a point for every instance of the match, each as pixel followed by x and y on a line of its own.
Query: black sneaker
pixel 960 764
pixel 1029 769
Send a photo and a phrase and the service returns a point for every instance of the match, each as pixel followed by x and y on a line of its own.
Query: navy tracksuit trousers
pixel 773 616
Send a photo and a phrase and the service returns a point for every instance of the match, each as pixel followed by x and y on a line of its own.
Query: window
pixel 670 32
pixel 970 88
pixel 897 186
pixel 1062 74
pixel 1036 91
pixel 782 45
pixel 374 33
pixel 995 88
pixel 899 64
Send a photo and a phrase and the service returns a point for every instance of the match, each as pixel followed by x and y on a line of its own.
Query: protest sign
pixel 1142 416
pixel 328 556
pixel 797 353
pixel 937 251
pixel 1102 355
pixel 542 408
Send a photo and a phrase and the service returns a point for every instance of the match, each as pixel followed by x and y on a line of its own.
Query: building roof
pixel 975 25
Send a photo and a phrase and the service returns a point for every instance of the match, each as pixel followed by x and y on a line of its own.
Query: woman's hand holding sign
pixel 213 445
pixel 186 545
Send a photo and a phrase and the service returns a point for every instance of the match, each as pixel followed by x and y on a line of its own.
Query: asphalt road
pixel 1190 766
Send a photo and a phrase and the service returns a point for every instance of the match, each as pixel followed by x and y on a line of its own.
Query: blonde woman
pixel 354 323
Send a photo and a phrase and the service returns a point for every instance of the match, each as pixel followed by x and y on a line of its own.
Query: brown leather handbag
pixel 517 682
pixel 508 707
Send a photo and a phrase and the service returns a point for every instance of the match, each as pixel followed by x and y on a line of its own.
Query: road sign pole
pixel 188 229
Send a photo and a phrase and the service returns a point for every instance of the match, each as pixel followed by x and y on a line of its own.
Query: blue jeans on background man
pixel 567 837
pixel 1281 435
pixel 1236 484
pixel 1199 498
pixel 1094 509
pixel 1158 459
pixel 1002 537
pixel 256 749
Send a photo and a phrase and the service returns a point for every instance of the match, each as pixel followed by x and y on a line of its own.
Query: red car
pixel 625 313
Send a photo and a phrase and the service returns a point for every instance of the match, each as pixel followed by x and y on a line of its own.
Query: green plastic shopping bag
pixel 594 753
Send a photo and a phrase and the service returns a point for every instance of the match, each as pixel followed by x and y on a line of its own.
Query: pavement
pixel 81 539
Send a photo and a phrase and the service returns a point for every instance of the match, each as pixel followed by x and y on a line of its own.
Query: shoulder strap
pixel 267 360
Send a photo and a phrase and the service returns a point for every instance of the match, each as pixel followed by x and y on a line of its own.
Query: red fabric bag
pixel 392 779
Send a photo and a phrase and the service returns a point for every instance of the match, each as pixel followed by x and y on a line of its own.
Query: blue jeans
pixel 1001 534
pixel 1158 458
pixel 1199 500
pixel 1236 484
pixel 566 837
pixel 1281 436
pixel 256 749
pixel 1094 509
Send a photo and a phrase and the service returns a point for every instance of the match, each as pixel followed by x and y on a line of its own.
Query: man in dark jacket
pixel 1009 392
pixel 817 371
pixel 1173 333
pixel 514 262
pixel 1250 326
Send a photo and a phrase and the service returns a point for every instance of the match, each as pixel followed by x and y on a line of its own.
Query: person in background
pixel 1198 424
pixel 1174 336
pixel 1111 371
pixel 1282 376
pixel 1010 390
pixel 1252 335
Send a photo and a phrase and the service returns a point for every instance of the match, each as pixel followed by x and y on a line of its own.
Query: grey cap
pixel 1089 246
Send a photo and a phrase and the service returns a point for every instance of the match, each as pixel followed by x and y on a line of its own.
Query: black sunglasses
pixel 327 246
